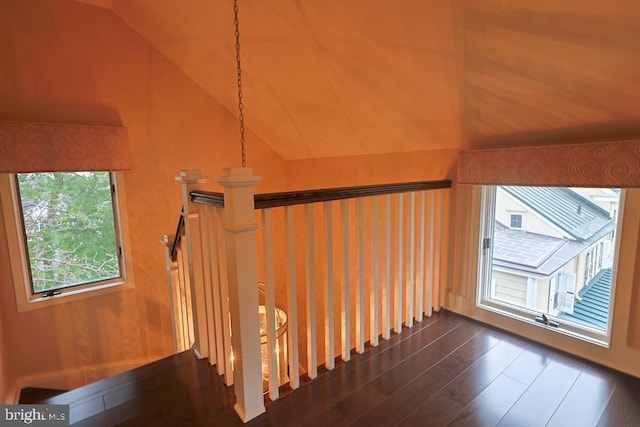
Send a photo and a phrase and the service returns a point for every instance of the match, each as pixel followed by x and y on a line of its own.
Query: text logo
pixel 34 415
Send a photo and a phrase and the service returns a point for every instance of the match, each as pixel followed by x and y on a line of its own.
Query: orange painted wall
pixel 72 63
pixel 372 169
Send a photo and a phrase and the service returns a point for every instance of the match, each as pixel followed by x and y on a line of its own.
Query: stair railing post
pixel 239 223
pixel 192 180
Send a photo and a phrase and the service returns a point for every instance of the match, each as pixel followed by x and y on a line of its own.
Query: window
pixel 515 221
pixel 559 269
pixel 67 231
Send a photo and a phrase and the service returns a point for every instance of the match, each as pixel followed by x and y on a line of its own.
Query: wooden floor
pixel 447 370
pixel 32 395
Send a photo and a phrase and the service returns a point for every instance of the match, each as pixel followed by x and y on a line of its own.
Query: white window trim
pixel 18 255
pixel 483 286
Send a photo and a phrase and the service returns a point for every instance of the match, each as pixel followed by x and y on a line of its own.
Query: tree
pixel 69 228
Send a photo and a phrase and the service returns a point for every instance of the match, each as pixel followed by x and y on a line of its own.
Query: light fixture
pixel 281 340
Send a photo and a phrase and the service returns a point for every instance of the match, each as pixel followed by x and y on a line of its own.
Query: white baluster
pixel 441 236
pixel 429 295
pixel 375 291
pixel 191 180
pixel 345 301
pixel 270 303
pixel 312 351
pixel 400 276
pixel 329 341
pixel 420 289
pixel 214 250
pixel 185 302
pixel 172 278
pixel 292 304
pixel 208 275
pixel 410 290
pixel 223 295
pixel 360 288
pixel 386 329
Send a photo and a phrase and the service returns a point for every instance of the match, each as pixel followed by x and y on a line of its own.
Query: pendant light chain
pixel 240 105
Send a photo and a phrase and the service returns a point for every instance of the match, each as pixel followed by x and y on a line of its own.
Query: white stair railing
pixel 346 274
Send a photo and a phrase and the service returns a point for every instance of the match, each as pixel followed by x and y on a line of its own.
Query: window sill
pixel 591 336
pixel 69 295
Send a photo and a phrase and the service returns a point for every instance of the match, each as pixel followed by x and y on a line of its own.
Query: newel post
pixel 191 180
pixel 240 226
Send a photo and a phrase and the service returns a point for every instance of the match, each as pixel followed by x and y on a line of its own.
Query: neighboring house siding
pixel 599 261
pixel 510 288
pixel 532 223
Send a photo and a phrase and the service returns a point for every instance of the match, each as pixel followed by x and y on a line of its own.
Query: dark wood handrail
pixel 178 237
pixel 288 198
pixel 208 198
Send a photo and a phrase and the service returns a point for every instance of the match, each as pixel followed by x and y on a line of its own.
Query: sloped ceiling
pixel 334 78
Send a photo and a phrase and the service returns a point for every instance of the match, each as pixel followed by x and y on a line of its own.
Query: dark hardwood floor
pixel 34 395
pixel 446 370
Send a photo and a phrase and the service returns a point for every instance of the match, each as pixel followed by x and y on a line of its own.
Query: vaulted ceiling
pixel 333 78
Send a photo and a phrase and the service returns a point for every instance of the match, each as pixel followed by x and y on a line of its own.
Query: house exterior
pixel 550 245
pixel 334 96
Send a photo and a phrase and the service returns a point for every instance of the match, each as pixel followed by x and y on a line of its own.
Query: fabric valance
pixel 591 164
pixel 45 147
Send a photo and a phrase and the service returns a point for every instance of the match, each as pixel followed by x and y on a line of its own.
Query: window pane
pixel 559 262
pixel 69 228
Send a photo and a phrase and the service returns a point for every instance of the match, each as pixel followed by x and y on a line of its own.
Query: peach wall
pixel 65 62
pixel 372 169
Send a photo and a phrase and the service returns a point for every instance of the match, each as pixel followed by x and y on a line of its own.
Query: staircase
pixel 179 390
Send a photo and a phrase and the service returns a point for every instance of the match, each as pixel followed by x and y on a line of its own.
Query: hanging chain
pixel 240 105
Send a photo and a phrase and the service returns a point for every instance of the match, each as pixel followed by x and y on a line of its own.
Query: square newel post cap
pixel 191 176
pixel 238 177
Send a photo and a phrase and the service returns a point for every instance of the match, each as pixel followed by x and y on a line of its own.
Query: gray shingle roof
pixel 532 253
pixel 575 215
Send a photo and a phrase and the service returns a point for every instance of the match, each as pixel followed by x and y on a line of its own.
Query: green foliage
pixel 69 224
